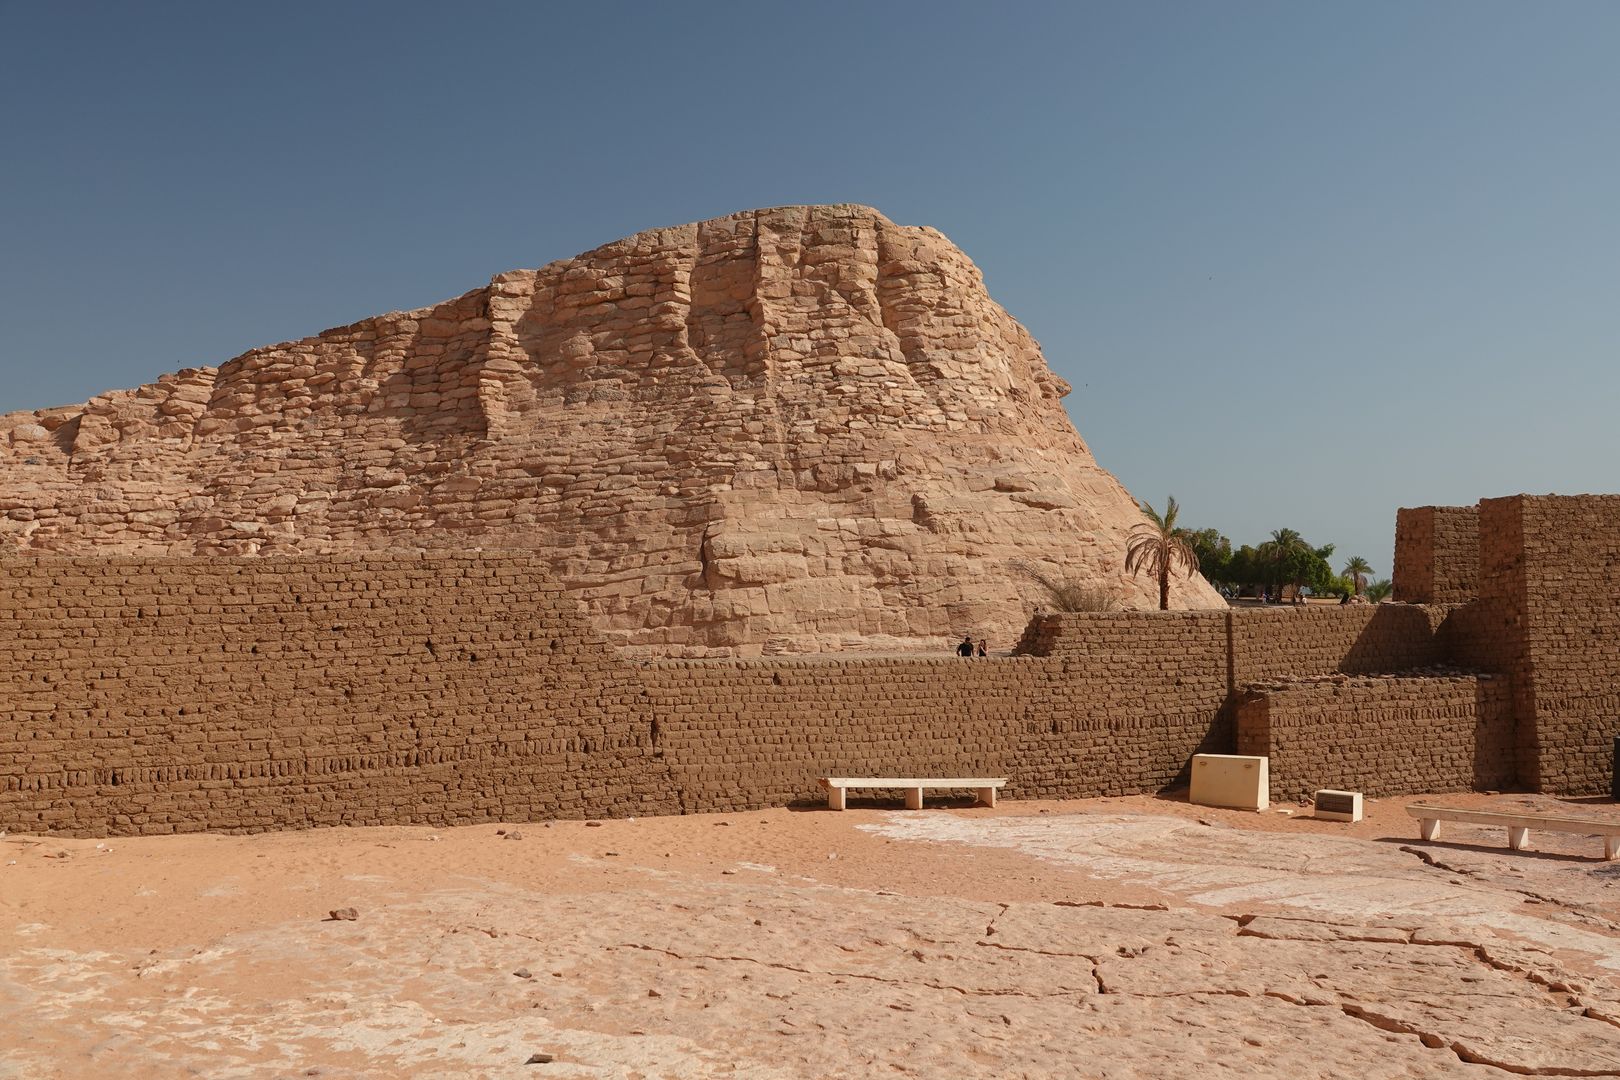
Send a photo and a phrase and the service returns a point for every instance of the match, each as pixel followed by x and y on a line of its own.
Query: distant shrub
pixel 1067 594
pixel 1333 585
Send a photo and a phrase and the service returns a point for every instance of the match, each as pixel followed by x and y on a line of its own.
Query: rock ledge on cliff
pixel 786 430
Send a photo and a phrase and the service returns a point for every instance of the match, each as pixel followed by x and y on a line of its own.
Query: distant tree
pixel 1332 585
pixel 1286 558
pixel 1283 548
pixel 1379 591
pixel 1357 570
pixel 1158 546
pixel 1286 540
pixel 1247 566
pixel 1278 557
pixel 1214 553
pixel 1318 571
pixel 1066 594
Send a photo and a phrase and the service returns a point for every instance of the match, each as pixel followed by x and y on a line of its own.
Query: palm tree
pixel 1378 591
pixel 1358 570
pixel 1283 547
pixel 1157 546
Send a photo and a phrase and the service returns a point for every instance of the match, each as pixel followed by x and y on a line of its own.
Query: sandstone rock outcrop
pixel 797 429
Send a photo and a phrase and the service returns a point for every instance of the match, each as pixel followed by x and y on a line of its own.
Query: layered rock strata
pixel 798 429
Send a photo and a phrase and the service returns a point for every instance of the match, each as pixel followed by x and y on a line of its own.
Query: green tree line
pixel 1285 558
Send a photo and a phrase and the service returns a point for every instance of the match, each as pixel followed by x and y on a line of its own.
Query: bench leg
pixel 1611 846
pixel 835 798
pixel 987 797
pixel 1518 838
pixel 913 798
pixel 1428 828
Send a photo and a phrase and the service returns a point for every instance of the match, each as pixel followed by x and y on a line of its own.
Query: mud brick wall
pixel 744 734
pixel 1270 643
pixel 1129 697
pixel 1436 554
pixel 1382 736
pixel 152 695
pixel 1561 593
pixel 157 695
pixel 1120 705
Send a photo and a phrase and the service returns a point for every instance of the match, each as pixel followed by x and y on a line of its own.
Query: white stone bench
pixel 1518 825
pixel 984 787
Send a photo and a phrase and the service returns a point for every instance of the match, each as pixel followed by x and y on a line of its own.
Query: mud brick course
pixel 1436 554
pixel 149 695
pixel 1269 643
pixel 1383 736
pixel 1552 586
pixel 1121 712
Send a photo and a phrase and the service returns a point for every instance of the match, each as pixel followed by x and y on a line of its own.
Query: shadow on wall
pixel 1220 739
pixel 1496 759
pixel 1397 637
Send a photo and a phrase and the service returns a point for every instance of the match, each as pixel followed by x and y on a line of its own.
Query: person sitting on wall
pixel 966 648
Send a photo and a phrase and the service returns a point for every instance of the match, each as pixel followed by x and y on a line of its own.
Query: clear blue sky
pixel 1303 263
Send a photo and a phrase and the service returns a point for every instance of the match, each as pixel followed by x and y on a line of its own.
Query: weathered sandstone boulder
pixel 805 428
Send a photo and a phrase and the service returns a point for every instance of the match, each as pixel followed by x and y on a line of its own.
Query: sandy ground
pixel 1112 938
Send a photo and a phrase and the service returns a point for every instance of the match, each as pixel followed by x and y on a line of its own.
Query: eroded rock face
pixel 797 429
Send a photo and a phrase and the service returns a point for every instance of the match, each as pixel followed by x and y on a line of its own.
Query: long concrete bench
pixel 984 787
pixel 1518 825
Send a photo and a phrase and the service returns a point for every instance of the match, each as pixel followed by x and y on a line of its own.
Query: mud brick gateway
pixel 152 695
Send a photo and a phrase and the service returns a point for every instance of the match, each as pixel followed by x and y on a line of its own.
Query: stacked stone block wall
pixel 158 695
pixel 1119 705
pixel 1436 554
pixel 1270 643
pixel 1382 736
pixel 1561 594
pixel 150 695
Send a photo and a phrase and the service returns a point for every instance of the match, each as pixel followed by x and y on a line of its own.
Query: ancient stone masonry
pixel 791 430
pixel 1277 642
pixel 1125 716
pixel 1388 735
pixel 151 695
pixel 158 695
pixel 1550 585
pixel 1548 574
pixel 1436 554
pixel 142 695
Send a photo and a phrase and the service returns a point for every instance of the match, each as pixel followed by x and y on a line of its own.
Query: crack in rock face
pixel 664 972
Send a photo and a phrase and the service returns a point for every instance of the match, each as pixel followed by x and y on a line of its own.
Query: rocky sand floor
pixel 1108 938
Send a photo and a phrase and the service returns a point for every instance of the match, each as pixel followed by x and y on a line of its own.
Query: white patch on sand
pixel 1234 868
